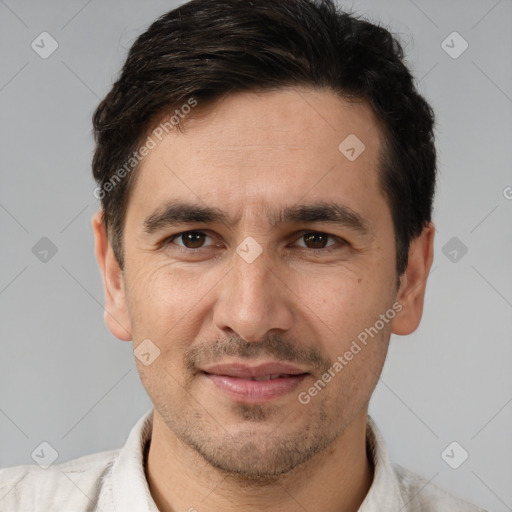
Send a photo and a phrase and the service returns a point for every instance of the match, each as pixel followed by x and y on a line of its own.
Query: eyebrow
pixel 179 212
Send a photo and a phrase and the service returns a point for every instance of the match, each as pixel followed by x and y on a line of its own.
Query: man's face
pixel 219 311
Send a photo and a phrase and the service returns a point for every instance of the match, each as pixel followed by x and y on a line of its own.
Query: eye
pixel 315 240
pixel 311 240
pixel 189 239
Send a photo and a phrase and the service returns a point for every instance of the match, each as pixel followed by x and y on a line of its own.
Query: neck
pixel 335 480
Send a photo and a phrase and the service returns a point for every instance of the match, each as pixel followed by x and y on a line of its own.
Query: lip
pixel 241 370
pixel 236 380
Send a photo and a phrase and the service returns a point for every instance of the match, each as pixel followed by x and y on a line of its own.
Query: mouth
pixel 254 384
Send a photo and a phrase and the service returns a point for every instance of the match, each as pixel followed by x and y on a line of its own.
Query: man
pixel 266 172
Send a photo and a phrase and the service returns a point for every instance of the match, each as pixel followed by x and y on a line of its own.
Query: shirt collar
pixel 385 492
pixel 130 489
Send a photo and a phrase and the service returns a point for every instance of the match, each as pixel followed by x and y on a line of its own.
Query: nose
pixel 252 300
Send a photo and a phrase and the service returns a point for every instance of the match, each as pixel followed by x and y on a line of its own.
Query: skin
pixel 250 155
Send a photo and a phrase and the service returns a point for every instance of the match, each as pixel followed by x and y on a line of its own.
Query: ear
pixel 117 318
pixel 413 282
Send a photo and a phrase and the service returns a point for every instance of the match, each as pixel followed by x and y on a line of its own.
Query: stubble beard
pixel 255 455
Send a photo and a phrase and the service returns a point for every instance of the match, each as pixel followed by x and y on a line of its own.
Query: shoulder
pixel 421 494
pixel 76 483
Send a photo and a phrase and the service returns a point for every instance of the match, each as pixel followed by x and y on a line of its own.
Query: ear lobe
pixel 413 282
pixel 116 314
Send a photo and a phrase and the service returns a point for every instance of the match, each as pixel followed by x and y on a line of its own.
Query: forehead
pixel 260 150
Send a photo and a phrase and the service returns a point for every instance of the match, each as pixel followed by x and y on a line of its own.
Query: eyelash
pixel 340 242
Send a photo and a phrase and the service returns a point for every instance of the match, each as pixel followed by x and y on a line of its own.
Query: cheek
pixel 164 300
pixel 356 341
pixel 342 302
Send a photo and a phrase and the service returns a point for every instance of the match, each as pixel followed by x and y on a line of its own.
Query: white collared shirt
pixel 115 481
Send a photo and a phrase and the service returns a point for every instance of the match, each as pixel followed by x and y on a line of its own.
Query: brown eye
pixel 192 239
pixel 316 240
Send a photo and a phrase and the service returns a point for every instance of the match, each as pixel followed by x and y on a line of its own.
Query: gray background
pixel 66 380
